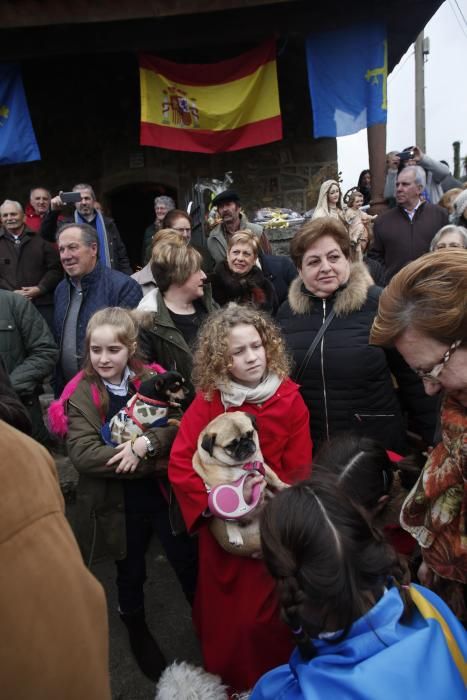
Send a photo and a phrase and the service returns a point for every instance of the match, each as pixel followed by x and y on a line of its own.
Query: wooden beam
pixel 31 13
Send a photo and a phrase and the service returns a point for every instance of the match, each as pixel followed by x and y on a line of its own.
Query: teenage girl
pixel 240 365
pixel 359 633
pixel 121 495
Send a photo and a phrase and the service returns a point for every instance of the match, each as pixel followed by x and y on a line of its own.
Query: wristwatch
pixel 151 451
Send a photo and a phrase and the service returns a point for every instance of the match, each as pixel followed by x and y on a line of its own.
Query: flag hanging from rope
pixel 347 74
pixel 211 108
pixel 17 139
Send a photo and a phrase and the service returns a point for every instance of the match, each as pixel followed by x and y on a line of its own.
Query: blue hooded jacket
pixel 384 656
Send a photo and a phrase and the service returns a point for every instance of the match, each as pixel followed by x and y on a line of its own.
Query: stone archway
pixel 132 207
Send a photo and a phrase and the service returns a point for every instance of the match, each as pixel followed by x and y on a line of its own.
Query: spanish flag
pixel 211 108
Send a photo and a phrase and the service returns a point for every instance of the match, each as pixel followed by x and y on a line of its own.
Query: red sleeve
pixel 393 456
pixel 297 455
pixel 188 486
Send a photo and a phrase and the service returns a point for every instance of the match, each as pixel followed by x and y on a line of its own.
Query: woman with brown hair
pixel 239 279
pixel 345 382
pixel 359 632
pixel 171 315
pixel 423 313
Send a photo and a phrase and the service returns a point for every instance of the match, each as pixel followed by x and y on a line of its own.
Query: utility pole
pixel 457 159
pixel 422 49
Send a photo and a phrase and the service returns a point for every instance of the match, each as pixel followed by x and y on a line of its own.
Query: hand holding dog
pixel 125 459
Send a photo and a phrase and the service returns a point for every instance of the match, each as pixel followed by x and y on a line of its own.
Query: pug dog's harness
pixel 227 501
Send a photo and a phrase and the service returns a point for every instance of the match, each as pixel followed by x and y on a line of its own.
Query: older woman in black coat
pixel 346 383
pixel 239 279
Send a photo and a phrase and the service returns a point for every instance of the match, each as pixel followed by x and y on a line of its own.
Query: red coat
pixel 236 611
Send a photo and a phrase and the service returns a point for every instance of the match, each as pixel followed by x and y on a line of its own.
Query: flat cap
pixel 225 196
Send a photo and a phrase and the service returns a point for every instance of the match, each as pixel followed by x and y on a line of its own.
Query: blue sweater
pixel 101 288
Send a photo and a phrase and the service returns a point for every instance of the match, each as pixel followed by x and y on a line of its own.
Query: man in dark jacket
pixel 87 287
pixel 28 353
pixel 404 233
pixel 29 266
pixel 112 251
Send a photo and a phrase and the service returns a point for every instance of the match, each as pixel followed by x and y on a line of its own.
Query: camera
pixel 406 155
pixel 70 197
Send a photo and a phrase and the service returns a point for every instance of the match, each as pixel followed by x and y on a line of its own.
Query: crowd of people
pixel 350 358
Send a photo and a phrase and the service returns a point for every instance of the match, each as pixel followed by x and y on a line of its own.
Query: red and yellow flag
pixel 211 108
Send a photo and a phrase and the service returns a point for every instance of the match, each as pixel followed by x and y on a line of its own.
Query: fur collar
pixel 347 300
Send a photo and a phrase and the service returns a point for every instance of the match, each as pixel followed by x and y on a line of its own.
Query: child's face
pixel 248 357
pixel 357 202
pixel 108 355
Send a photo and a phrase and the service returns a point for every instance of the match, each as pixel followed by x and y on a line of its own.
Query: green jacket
pixel 100 517
pixel 161 341
pixel 27 347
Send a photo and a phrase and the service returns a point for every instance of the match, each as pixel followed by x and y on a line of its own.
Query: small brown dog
pixel 228 452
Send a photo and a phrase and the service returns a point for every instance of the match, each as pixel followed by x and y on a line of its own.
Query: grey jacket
pixel 217 243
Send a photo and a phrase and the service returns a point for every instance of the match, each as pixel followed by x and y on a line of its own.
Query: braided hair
pixel 362 468
pixel 329 564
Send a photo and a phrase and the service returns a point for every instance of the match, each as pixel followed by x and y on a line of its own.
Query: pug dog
pixel 225 446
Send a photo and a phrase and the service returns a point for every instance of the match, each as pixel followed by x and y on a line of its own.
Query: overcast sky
pixel 445 97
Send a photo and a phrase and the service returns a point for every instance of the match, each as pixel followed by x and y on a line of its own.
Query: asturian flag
pixel 211 108
pixel 347 75
pixel 17 139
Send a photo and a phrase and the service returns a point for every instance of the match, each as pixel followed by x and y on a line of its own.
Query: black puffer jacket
pixel 347 384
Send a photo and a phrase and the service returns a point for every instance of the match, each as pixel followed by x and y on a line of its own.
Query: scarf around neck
pixel 104 253
pixel 235 394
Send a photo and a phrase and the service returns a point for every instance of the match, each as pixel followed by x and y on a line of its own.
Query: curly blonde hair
pixel 211 358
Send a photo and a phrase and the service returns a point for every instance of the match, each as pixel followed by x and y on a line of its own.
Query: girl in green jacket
pixel 120 499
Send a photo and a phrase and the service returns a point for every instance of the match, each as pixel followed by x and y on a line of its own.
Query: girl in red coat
pixel 240 364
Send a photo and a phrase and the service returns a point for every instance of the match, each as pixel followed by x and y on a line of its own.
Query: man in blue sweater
pixel 88 286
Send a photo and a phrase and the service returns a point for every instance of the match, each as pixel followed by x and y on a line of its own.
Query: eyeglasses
pixel 181 229
pixel 432 375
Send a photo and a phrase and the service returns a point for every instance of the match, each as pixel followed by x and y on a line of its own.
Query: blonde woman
pixel 239 279
pixel 240 365
pixel 172 313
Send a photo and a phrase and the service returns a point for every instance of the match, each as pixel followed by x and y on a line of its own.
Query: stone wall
pixel 85 111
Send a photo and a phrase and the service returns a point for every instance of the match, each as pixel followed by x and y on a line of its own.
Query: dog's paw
pixel 234 534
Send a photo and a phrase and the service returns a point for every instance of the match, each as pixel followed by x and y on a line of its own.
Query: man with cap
pixel 233 220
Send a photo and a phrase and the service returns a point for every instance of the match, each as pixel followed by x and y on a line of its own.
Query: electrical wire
pixel 460 12
pixel 461 26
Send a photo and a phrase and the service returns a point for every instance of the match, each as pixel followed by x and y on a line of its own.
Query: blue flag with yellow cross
pixel 347 75
pixel 17 139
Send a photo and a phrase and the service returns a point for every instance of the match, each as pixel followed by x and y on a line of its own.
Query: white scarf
pixel 234 394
